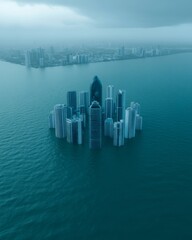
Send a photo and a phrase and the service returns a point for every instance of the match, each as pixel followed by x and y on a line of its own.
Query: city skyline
pixel 112 120
pixel 95 139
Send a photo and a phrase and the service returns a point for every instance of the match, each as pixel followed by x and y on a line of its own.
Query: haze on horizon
pixel 28 21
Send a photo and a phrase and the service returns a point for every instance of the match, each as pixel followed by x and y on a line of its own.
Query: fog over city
pixel 50 21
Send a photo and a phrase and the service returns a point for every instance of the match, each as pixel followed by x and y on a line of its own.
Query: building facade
pixel 60 111
pixel 96 91
pixel 95 125
pixel 72 101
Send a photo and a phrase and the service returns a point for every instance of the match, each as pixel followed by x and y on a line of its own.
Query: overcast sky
pixel 161 20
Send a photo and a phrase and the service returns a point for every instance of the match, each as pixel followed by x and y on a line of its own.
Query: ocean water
pixel 50 189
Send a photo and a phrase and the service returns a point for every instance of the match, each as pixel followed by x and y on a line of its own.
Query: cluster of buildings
pixel 86 111
pixel 75 59
pixel 40 58
pixel 80 54
pixel 35 58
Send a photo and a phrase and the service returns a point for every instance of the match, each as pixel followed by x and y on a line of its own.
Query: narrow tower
pixel 118 137
pixel 84 101
pixel 72 101
pixel 95 124
pixel 130 122
pixel 120 104
pixel 96 91
pixel 60 120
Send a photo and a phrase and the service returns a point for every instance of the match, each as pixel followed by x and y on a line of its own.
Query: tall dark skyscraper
pixel 72 100
pixel 84 101
pixel 95 125
pixel 96 91
pixel 108 108
pixel 120 105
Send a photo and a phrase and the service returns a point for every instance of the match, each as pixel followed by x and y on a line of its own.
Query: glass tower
pixel 72 100
pixel 96 91
pixel 95 125
pixel 60 120
pixel 120 105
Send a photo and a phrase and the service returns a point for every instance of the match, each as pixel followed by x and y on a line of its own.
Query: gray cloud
pixel 130 13
pixel 35 21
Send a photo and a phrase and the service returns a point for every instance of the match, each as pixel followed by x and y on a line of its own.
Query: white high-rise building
pixel 118 137
pixel 123 131
pixel 135 106
pixel 83 116
pixel 60 120
pixel 110 92
pixel 130 122
pixel 74 130
pixel 139 119
pixel 139 122
pixel 109 108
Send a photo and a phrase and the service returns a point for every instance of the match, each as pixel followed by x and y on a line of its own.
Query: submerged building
pixel 108 127
pixel 60 111
pixel 95 125
pixel 110 92
pixel 118 134
pixel 51 119
pixel 96 91
pixel 84 101
pixel 130 122
pixel 108 108
pixel 120 105
pixel 139 122
pixel 72 101
pixel 71 121
pixel 74 130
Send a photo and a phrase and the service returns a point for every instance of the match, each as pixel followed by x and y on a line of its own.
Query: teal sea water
pixel 50 189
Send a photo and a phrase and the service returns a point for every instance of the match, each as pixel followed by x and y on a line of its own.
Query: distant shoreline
pixel 103 61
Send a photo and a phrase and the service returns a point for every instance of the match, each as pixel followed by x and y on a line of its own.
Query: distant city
pixel 53 56
pixel 84 111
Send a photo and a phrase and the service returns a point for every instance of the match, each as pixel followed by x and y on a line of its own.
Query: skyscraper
pixel 139 122
pixel 74 130
pixel 69 112
pixel 135 106
pixel 120 105
pixel 60 120
pixel 130 122
pixel 118 137
pixel 83 116
pixel 139 119
pixel 84 100
pixel 72 100
pixel 108 127
pixel 96 91
pixel 110 92
pixel 122 122
pixel 108 108
pixel 95 125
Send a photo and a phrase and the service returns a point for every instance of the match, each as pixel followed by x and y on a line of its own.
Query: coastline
pixel 100 61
